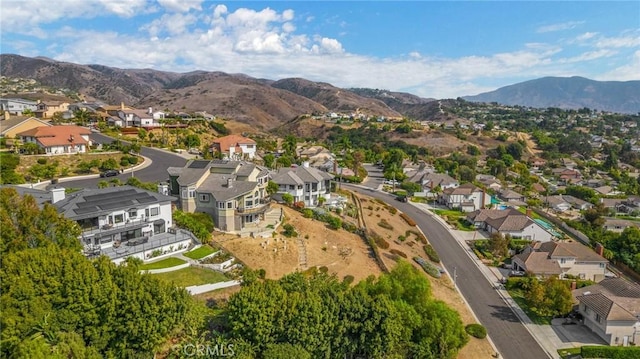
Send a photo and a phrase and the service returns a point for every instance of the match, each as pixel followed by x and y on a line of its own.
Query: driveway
pixel 505 329
pixel 574 335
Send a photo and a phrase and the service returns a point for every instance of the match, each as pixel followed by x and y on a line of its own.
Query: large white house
pixel 123 222
pixel 611 309
pixel 466 198
pixel 234 147
pixel 306 184
pixel 16 106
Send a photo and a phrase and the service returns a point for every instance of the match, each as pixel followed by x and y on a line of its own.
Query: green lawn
pixel 192 276
pixel 200 252
pixel 448 212
pixel 518 296
pixel 534 215
pixel 165 263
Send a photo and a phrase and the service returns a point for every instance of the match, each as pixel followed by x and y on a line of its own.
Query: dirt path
pixel 531 147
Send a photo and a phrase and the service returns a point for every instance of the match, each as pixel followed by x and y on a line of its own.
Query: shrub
pixel 289 230
pixel 431 253
pixel 610 352
pixel 428 267
pixel 348 279
pixel 379 241
pixel 384 224
pixel 133 160
pixel 334 222
pixel 402 238
pixel 307 213
pixel 349 227
pixel 397 252
pixel 476 330
pixel 323 269
pixel 42 161
pixel 408 219
pixel 298 205
pixel 393 210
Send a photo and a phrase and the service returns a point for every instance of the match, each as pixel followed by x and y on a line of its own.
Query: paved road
pixel 509 335
pixel 156 172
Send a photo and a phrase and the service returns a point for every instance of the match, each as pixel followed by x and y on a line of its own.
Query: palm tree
pixel 82 115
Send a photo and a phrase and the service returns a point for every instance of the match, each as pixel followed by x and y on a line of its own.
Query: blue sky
pixel 432 49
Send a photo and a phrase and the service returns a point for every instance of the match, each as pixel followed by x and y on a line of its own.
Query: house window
pixel 248 203
pixel 133 213
pixel 220 205
pixel 184 193
pixel 299 186
pixel 230 204
pixel 204 198
pixel 152 212
pixel 192 193
pixel 292 186
pixel 602 265
pixel 598 318
pixel 118 218
pixel 563 260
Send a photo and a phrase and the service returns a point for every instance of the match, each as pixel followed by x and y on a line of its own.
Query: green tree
pixel 142 134
pixel 192 141
pixel 269 160
pixel 272 188
pixel 499 244
pixel 289 145
pixel 287 198
pixel 81 115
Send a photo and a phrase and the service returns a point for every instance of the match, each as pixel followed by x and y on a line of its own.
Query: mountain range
pixel 568 93
pixel 266 104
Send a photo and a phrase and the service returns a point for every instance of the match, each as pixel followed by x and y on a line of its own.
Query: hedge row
pixel 431 253
pixel 428 267
pixel 408 219
pixel 610 352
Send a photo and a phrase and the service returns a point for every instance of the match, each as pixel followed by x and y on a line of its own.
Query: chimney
pixel 163 188
pixel 599 249
pixel 230 183
pixel 57 194
pixel 529 212
pixel 305 164
pixel 122 105
pixel 150 110
pixel 574 285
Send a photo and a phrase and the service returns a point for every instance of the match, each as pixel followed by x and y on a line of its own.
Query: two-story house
pixel 121 222
pixel 46 109
pixel 234 147
pixel 429 180
pixel 611 309
pixel 55 140
pixel 232 192
pixel 138 118
pixel 306 184
pixel 466 197
pixel 16 106
pixel 570 258
pixel 509 221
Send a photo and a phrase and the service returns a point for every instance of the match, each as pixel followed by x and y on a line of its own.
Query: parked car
pixel 516 273
pixel 402 198
pixel 109 173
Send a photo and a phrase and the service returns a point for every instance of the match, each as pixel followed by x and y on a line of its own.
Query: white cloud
pixel 625 72
pixel 586 36
pixel 559 27
pixel 180 5
pixel 628 40
pixel 589 55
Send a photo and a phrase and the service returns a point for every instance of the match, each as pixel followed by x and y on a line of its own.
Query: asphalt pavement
pixel 510 336
pixel 161 159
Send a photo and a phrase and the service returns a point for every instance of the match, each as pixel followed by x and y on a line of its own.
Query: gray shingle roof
pixel 581 252
pixel 612 298
pixel 300 175
pixel 217 187
pixel 538 263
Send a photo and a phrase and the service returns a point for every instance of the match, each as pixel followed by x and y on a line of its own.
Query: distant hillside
pixel 334 98
pixel 568 93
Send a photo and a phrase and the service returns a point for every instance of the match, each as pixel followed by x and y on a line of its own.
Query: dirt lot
pixel 344 254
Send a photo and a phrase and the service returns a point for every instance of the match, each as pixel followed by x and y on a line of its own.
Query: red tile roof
pixel 57 135
pixel 224 143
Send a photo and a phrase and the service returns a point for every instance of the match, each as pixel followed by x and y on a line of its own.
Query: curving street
pixel 157 171
pixel 509 335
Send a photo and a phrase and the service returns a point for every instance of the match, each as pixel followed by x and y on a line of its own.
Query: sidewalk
pixel 543 334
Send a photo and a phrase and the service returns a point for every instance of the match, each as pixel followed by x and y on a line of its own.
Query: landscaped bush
pixel 610 352
pixel 397 252
pixel 428 267
pixel 408 219
pixel 378 240
pixel 348 279
pixel 200 224
pixel 431 253
pixel 289 230
pixel 384 224
pixel 42 161
pixel 307 213
pixel 334 222
pixel 393 210
pixel 349 227
pixel 476 330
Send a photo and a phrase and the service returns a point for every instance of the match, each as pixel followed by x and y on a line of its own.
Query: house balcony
pixel 109 229
pixel 261 207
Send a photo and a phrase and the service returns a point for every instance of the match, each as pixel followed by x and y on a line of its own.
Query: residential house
pixel 10 126
pixel 466 198
pixel 509 222
pixel 611 203
pixel 558 203
pixel 55 140
pixel 631 205
pixel 138 118
pixel 536 163
pixel 572 258
pixel 306 184
pixel 509 195
pixel 604 190
pixel 232 192
pixel 611 309
pixel 619 225
pixel 122 222
pixel 430 180
pixel 16 106
pixel 489 181
pixel 234 147
pixel 46 109
pixel 577 203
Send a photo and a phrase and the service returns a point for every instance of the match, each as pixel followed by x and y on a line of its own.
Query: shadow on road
pixel 504 313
